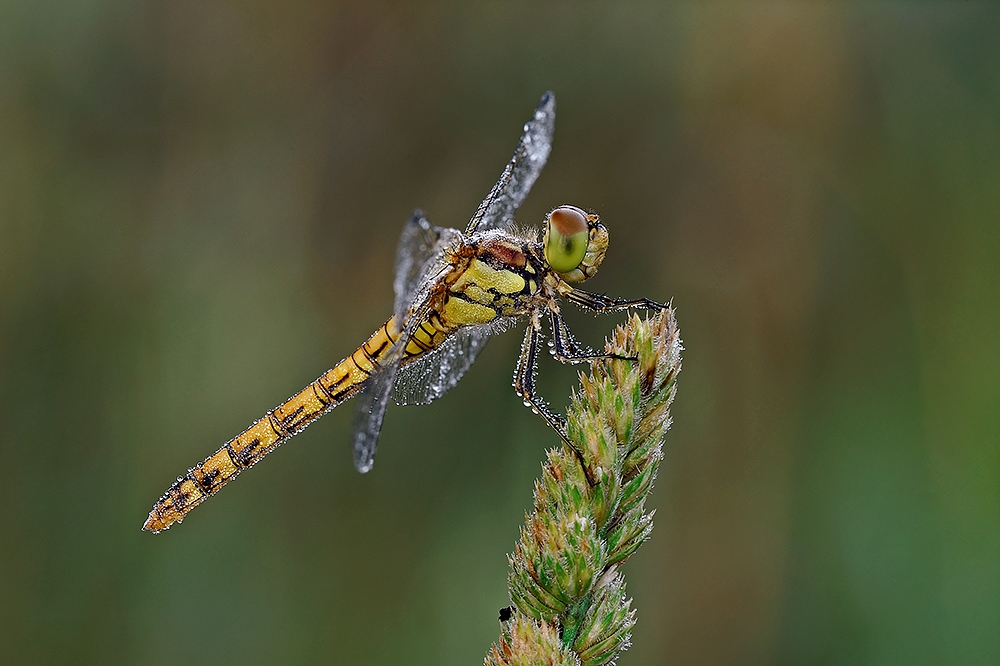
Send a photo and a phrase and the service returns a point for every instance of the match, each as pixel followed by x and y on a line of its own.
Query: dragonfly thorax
pixel 496 276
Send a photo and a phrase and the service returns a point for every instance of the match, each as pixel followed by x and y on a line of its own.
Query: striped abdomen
pixel 285 421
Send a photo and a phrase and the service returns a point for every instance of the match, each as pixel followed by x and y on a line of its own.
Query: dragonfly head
pixel 575 243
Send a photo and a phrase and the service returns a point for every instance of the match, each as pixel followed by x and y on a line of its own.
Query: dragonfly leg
pixel 566 349
pixel 602 304
pixel 524 384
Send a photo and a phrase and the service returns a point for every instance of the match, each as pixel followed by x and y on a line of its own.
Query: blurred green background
pixel 199 205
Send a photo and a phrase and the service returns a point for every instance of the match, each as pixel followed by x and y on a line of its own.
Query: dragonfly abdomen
pixel 291 417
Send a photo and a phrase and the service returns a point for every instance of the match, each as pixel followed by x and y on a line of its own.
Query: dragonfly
pixel 453 291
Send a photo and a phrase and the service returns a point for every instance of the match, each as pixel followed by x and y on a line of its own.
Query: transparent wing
pixel 418 256
pixel 434 374
pixel 370 412
pixel 373 399
pixel 498 208
pixel 416 247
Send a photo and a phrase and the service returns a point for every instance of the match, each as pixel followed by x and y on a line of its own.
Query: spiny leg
pixel 602 304
pixel 524 384
pixel 566 349
pixel 524 377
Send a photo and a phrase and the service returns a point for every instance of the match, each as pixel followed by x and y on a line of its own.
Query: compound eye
pixel 566 238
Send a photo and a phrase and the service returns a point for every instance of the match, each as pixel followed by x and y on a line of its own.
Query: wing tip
pixel 547 104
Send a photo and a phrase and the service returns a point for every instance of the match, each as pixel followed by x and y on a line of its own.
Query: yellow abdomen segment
pixel 284 421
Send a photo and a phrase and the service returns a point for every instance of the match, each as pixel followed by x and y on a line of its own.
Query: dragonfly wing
pixel 498 208
pixel 434 374
pixel 416 245
pixel 369 414
pixel 418 261
pixel 418 256
pixel 373 399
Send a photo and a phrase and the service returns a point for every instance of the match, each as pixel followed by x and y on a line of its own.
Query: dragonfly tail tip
pixel 154 523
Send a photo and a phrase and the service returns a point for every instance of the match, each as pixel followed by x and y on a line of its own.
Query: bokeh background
pixel 199 205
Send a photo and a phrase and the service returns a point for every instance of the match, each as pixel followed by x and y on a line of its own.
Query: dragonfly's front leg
pixel 524 384
pixel 603 304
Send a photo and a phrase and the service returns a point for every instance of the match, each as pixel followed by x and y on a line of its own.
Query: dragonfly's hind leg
pixel 566 349
pixel 524 384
